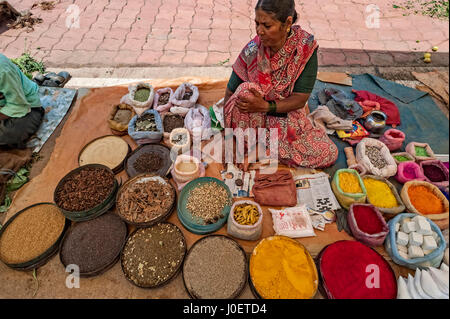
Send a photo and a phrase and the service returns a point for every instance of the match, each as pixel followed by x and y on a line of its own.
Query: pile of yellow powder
pixel 380 194
pixel 349 183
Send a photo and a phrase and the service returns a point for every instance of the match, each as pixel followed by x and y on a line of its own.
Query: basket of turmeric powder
pixel 348 187
pixel 426 199
pixel 383 195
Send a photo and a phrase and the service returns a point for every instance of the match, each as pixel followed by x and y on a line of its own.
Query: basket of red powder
pixel 409 171
pixel 426 199
pixel 351 270
pixel 435 172
pixel 367 224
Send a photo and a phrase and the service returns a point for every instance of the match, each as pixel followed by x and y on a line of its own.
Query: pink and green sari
pixel 300 144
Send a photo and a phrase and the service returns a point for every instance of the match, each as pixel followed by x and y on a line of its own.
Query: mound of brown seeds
pixel 172 121
pixel 31 234
pixel 215 268
pixel 153 255
pixel 94 244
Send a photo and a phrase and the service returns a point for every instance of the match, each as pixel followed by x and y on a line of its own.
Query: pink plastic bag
pixel 165 107
pixel 393 139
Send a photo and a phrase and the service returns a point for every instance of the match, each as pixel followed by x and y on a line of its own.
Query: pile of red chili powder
pixel 348 271
pixel 367 220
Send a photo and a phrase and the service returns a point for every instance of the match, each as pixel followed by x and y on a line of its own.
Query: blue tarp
pixel 421 118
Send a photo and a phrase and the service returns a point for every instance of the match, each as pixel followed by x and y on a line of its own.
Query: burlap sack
pixel 394 210
pixel 120 128
pixel 361 157
pixel 411 149
pixel 435 190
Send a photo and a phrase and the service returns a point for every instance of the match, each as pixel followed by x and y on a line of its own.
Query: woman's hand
pixel 254 103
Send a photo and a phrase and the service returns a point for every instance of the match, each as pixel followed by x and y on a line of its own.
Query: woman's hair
pixel 282 9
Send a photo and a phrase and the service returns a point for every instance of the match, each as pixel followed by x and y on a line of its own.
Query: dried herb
pixel 146 123
pixel 84 189
pixel 142 95
pixel 153 255
pixel 179 139
pixel 215 268
pixel 164 99
pixel 187 94
pixel 145 200
pixel 172 122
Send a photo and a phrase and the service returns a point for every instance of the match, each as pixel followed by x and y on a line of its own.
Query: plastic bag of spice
pixel 162 100
pixel 420 151
pixel 153 133
pixel 425 199
pixel 120 117
pixel 348 190
pixel 246 231
pixel 376 158
pixel 184 98
pixel 140 97
pixel 198 121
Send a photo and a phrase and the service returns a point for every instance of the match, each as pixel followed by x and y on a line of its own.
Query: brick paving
pixel 118 33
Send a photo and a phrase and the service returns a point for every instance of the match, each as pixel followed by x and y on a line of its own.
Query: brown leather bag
pixel 275 189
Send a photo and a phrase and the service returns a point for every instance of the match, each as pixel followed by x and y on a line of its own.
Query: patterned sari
pixel 300 144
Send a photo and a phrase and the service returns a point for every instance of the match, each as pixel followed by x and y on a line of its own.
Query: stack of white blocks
pixel 415 238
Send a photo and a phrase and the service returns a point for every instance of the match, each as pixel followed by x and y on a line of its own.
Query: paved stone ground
pixel 119 33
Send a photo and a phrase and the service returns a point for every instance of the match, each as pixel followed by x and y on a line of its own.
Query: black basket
pixel 159 149
pixel 96 211
pixel 47 255
pixel 244 282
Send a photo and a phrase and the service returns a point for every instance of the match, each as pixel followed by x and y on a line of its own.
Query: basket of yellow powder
pixel 382 194
pixel 282 268
pixel 348 187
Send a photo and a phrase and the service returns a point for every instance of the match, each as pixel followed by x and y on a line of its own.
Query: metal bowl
pixel 376 122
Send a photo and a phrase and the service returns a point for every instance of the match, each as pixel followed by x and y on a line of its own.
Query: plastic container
pixel 393 139
pixel 409 171
pixel 146 137
pixel 432 260
pixel 245 232
pixel 437 165
pixel 96 211
pixel 371 240
pixel 393 210
pixel 347 199
pixel 43 258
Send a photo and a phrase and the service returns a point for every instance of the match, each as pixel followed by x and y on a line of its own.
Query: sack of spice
pixel 245 220
pixel 162 100
pixel 420 151
pixel 367 224
pixel 434 259
pixel 409 171
pixel 184 98
pixel 140 97
pixel 393 139
pixel 120 117
pixel 146 129
pixel 435 173
pixel 425 199
pixel 376 158
pixel 198 121
pixel 383 195
pixel 403 157
pixel 348 187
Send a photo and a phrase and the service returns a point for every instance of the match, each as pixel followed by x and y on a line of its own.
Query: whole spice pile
pixel 31 234
pixel 280 268
pixel 421 151
pixel 424 200
pixel 179 139
pixel 380 194
pixel 349 183
pixel 145 200
pixel 146 123
pixel 148 162
pixel 84 189
pixel 246 214
pixel 375 157
pixel 207 202
pixel 164 99
pixel 94 244
pixel 172 122
pixel 215 268
pixel 153 255
pixel 188 94
pixel 367 220
pixel 142 95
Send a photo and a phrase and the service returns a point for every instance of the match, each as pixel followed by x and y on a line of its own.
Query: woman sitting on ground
pixel 271 82
pixel 21 113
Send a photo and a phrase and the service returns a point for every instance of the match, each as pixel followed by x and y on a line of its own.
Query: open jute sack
pixel 394 210
pixel 432 188
pixel 361 157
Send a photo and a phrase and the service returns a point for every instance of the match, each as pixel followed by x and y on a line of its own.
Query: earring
pixel 288 30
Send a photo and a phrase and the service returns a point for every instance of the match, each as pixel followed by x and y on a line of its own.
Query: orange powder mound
pixel 425 201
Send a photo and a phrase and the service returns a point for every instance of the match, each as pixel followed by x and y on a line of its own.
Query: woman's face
pixel 272 32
